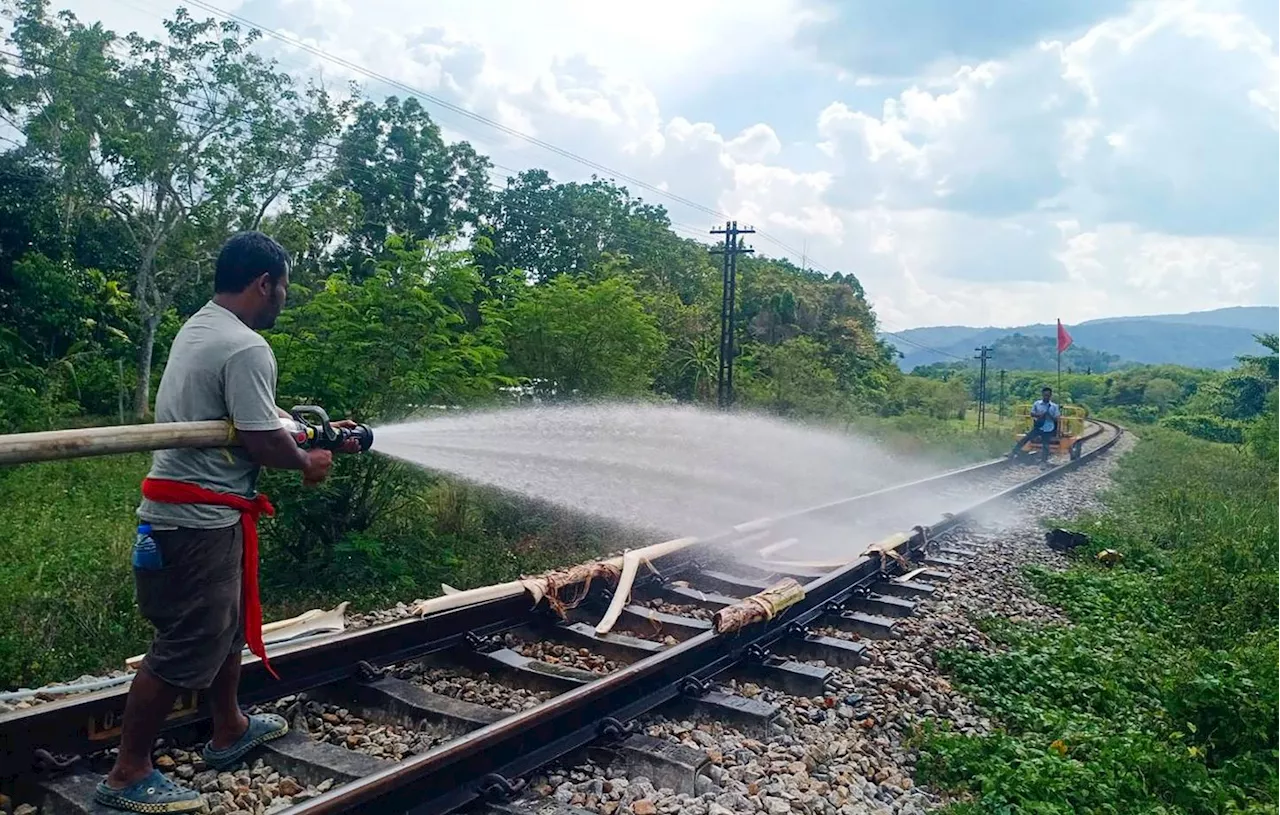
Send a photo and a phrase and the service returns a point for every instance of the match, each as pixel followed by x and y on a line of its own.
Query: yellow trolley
pixel 1070 429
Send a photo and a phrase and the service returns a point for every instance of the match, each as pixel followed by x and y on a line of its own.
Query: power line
pixel 332 161
pixel 922 346
pixel 486 121
pixel 496 125
pixel 18 60
pixel 458 109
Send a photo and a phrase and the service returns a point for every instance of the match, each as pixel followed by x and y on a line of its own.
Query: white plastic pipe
pixel 622 594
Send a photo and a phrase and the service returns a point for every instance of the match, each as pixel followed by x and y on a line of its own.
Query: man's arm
pixel 273 448
pixel 249 383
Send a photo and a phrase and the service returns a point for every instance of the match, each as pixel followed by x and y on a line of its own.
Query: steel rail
pixel 487 763
pixel 970 513
pixel 927 481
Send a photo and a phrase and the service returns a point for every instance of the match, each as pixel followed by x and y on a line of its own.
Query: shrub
pixel 1262 435
pixel 1209 428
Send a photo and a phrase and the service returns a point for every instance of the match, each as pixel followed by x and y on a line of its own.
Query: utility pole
pixel 984 353
pixel 733 247
pixel 1002 372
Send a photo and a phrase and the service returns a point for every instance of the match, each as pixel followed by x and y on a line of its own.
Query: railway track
pixel 483 696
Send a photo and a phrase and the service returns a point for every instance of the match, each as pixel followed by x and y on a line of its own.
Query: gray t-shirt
pixel 218 368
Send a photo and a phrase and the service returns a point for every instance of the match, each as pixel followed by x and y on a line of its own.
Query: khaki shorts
pixel 194 602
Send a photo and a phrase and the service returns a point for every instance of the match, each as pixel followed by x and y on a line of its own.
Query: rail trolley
pixel 1070 428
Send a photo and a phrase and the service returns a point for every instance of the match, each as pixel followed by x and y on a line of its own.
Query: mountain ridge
pixel 1200 339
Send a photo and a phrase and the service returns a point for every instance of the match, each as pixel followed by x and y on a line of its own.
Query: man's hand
pixel 317 467
pixel 352 445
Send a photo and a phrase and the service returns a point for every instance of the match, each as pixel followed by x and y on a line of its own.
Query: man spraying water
pixel 1044 424
pixel 196 561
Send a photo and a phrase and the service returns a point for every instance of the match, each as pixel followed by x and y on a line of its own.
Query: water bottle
pixel 146 554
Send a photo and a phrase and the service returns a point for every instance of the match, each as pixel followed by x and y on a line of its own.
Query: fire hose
pixel 307 424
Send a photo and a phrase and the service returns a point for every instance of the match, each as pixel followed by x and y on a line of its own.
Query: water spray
pixel 307 424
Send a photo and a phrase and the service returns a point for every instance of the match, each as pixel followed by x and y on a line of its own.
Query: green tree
pixel 395 342
pixel 572 337
pixel 375 349
pixel 1263 433
pixel 1162 393
pixel 790 379
pixel 548 229
pixel 1244 394
pixel 318 216
pixel 779 301
pixel 408 180
pixel 1266 366
pixel 937 398
pixel 698 363
pixel 181 141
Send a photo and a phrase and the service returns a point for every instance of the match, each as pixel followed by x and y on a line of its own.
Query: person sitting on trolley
pixel 1044 425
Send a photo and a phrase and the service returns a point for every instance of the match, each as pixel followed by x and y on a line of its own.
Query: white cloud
pixel 1183 103
pixel 987 142
pixel 1130 167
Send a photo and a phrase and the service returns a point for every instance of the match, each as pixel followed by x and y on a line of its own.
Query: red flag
pixel 1064 339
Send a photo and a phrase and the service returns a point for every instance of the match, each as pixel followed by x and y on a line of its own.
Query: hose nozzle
pixel 323 435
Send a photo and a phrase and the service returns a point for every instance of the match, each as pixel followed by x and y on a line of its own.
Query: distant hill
pixel 1258 319
pixel 1018 352
pixel 1201 339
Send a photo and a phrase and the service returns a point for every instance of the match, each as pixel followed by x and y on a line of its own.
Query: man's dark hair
pixel 245 257
pixel 1046 388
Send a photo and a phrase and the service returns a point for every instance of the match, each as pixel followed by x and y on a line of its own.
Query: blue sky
pixel 995 162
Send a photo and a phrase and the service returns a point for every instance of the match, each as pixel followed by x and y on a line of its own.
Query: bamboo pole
pixel 759 607
pixel 20 448
pixel 774 548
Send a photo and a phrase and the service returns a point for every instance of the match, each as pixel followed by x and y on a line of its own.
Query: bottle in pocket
pixel 146 554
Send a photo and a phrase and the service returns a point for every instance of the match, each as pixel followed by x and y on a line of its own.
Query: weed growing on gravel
pixel 1161 696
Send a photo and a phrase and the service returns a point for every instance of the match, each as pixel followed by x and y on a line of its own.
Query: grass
pixel 66 587
pixel 1161 696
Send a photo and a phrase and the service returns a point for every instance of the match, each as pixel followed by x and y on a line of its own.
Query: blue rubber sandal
pixel 262 728
pixel 154 793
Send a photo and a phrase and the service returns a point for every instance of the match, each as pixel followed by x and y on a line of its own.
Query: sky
pixel 976 162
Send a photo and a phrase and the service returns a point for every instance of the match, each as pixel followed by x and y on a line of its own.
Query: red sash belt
pixel 163 491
